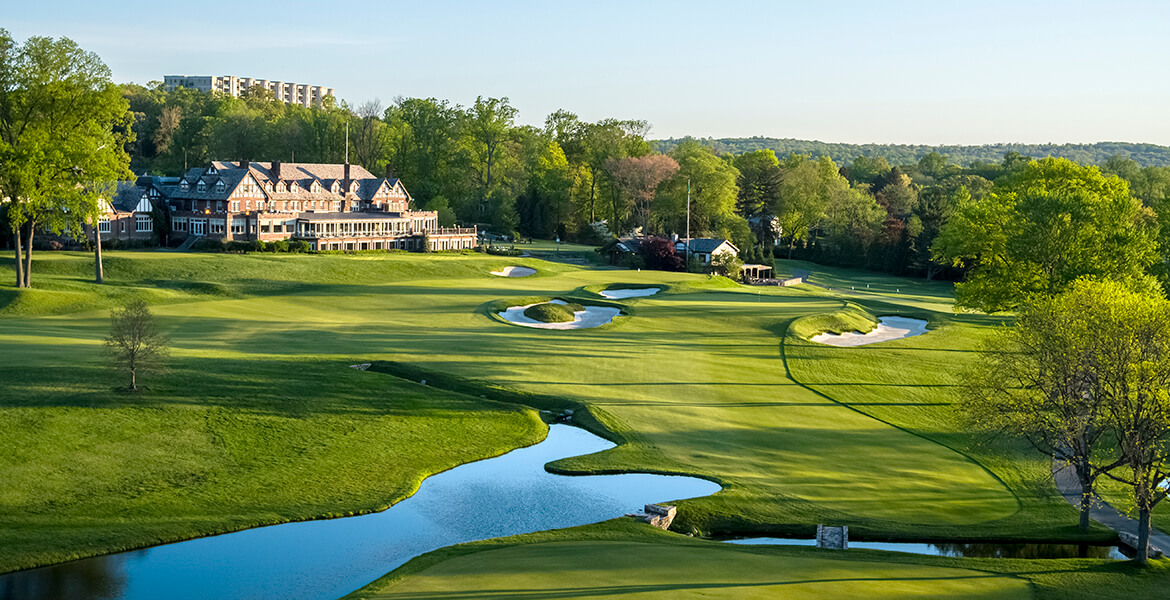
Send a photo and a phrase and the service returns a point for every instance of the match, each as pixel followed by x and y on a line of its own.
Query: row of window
pixel 251 188
pixel 142 224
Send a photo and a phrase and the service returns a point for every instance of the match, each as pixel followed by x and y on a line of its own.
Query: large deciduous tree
pixel 63 127
pixel 1041 380
pixel 635 181
pixel 759 193
pixel 1043 227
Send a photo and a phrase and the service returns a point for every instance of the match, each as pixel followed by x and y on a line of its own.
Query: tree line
pixel 1146 155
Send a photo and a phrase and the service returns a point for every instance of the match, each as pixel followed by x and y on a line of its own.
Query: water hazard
pixel 318 560
pixel 975 550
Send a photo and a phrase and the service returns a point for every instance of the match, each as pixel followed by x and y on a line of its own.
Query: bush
pixel 552 313
pixel 726 264
pixel 298 246
pixel 277 246
pixel 659 255
pixel 208 245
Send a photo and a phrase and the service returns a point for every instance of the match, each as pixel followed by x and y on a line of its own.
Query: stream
pixel 323 560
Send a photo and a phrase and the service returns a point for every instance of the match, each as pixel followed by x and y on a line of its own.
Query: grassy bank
pixel 621 558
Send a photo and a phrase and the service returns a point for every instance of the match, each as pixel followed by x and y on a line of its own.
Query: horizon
pixel 899 73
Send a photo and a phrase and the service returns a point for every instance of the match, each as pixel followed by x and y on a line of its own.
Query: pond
pixel 976 550
pixel 506 495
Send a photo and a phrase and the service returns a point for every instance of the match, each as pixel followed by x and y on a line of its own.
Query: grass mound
pixel 553 313
pixel 850 318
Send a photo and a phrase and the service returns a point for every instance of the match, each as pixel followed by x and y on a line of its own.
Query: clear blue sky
pixel 888 71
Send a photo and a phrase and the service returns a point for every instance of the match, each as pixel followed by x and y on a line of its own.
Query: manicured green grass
pixel 623 559
pixel 552 313
pixel 693 380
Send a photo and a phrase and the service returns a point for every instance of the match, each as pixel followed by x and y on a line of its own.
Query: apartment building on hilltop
pixel 232 85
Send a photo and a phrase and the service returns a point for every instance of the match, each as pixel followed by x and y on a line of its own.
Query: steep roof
pixel 707 245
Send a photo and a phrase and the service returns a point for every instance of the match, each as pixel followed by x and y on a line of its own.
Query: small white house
pixel 705 248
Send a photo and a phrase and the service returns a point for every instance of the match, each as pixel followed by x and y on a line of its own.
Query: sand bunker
pixel 889 328
pixel 592 316
pixel 514 272
pixel 631 293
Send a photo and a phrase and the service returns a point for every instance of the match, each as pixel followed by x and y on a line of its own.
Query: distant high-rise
pixel 289 93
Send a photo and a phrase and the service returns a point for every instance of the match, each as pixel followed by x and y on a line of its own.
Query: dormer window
pixel 211 171
pixel 335 188
pixel 293 186
pixel 316 187
pixel 268 186
pixel 353 186
pixel 202 187
pixel 184 186
pixel 219 186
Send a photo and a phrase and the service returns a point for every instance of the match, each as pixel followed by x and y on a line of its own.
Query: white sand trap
pixel 631 293
pixel 889 328
pixel 592 316
pixel 514 272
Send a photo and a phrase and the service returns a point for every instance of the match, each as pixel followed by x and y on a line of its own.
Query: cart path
pixel 1102 512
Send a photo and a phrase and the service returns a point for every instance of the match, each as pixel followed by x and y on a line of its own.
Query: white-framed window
pixel 202 187
pixel 237 226
pixel 179 224
pixel 215 225
pixel 184 186
pixel 236 206
pixel 219 206
pixel 104 225
pixel 144 223
pixel 260 204
pixel 335 188
pixel 337 206
pixel 219 186
pixel 277 227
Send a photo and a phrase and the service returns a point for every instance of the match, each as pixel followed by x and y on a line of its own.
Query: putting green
pixel 639 570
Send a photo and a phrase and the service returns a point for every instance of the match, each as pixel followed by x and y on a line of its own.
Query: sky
pixel 941 72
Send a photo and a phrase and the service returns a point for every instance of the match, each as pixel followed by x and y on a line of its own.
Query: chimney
pixel 244 164
pixel 276 170
pixel 389 171
pixel 345 181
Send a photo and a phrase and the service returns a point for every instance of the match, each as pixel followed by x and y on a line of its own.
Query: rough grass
pixel 620 558
pixel 850 318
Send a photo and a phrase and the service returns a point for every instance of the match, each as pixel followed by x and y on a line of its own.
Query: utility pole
pixel 688 251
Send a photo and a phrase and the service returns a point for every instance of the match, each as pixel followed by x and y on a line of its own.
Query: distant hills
pixel 900 154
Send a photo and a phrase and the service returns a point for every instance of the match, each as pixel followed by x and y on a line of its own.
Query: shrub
pixel 208 245
pixel 659 255
pixel 726 264
pixel 552 313
pixel 298 246
pixel 278 246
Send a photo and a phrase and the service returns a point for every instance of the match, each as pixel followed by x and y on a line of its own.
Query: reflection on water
pixel 506 495
pixel 93 579
pixel 1037 551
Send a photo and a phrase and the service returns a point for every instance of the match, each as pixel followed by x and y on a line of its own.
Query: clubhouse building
pixel 330 206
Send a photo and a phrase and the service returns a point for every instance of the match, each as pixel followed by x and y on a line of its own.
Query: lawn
pixel 259 419
pixel 623 559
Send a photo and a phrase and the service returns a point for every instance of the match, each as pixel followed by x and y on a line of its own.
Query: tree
pixel 713 195
pixel 1041 380
pixel 637 178
pixel 63 130
pixel 1042 228
pixel 726 264
pixel 135 343
pixel 489 129
pixel 1135 370
pixel 659 254
pixel 759 192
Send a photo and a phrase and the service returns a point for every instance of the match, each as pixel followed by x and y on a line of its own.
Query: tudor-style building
pixel 330 206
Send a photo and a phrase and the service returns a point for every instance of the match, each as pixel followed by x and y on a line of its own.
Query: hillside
pixel 899 154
